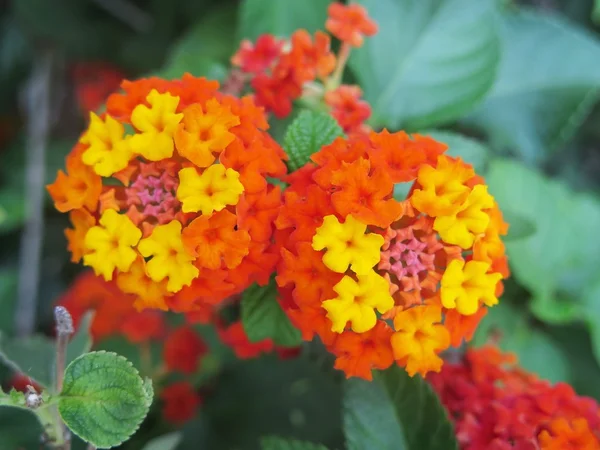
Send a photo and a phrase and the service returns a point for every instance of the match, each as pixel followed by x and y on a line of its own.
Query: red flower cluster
pixel 94 82
pixel 281 71
pixel 496 405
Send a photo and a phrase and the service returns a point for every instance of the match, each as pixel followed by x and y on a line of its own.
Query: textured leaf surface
pixel 397 412
pixel 310 131
pixel 281 17
pixel 263 317
pixel 554 264
pixel 538 102
pixel 276 443
pixel 431 61
pixel 103 400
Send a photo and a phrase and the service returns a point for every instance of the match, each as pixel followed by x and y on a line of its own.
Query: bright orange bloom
pixel 79 188
pixel 383 257
pixel 563 435
pixel 171 185
pixel 183 350
pixel 350 23
pixel 214 240
pixel 358 354
pixel 180 402
pixel 311 60
pixel 348 109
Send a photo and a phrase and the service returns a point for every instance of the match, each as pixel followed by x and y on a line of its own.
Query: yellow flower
pixel 169 257
pixel 211 191
pixel 419 338
pixel 156 126
pixel 149 294
pixel 468 221
pixel 357 301
pixel 109 245
pixel 465 285
pixel 442 188
pixel 203 133
pixel 347 245
pixel 109 149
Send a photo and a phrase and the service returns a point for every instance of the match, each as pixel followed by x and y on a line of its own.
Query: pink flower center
pixel 154 195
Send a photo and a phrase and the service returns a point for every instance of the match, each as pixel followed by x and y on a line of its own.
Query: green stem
pixel 336 78
pixel 52 425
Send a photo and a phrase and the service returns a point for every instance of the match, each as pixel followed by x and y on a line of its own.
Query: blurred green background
pixel 512 86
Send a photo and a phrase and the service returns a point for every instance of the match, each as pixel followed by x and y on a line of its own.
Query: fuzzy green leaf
pixel 280 17
pixel 277 443
pixel 430 62
pixel 396 413
pixel 263 318
pixel 538 103
pixel 103 400
pixel 310 131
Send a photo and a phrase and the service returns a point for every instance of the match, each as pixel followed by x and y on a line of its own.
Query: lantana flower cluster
pixel 496 405
pixel 280 71
pixel 167 192
pixel 382 280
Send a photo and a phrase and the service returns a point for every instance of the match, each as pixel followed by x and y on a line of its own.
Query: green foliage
pixel 34 355
pixel 431 61
pixel 166 442
pixel 205 49
pixel 280 17
pixel 263 317
pixel 310 131
pixel 470 150
pixel 538 103
pixel 276 443
pixel 396 412
pixel 561 258
pixel 104 400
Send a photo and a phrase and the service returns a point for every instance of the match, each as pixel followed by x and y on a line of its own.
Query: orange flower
pixel 215 240
pixel 82 221
pixel 256 213
pixel 347 108
pixel 358 354
pixel 183 350
pixel 311 60
pixel 350 23
pixel 79 187
pixel 180 402
pixel 462 327
pixel 565 435
pixel 364 194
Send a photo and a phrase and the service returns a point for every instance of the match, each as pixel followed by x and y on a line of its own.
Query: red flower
pixel 180 402
pixel 235 337
pixel 183 349
pixel 256 58
pixel 144 326
pixel 350 23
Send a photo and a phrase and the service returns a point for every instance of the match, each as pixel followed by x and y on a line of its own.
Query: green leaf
pixel 520 227
pixel 538 103
pixel 167 442
pixel 470 150
pixel 263 318
pixel 19 429
pixel 280 17
pixel 8 298
pixel 277 443
pixel 596 12
pixel 430 62
pixel 537 351
pixel 103 400
pixel 561 258
pixel 34 356
pixel 205 49
pixel 397 412
pixel 310 131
